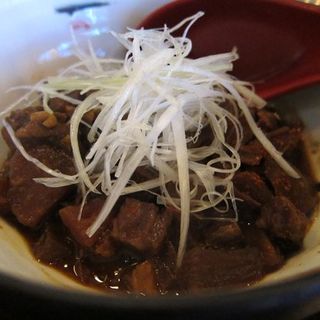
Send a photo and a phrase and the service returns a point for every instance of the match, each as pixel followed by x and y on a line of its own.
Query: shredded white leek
pixel 153 106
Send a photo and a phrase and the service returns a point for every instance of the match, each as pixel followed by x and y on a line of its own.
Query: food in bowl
pixel 156 173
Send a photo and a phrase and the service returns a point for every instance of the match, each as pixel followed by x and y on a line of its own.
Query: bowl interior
pixel 44 48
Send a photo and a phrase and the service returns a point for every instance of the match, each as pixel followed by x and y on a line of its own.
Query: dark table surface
pixel 13 312
pixel 6 315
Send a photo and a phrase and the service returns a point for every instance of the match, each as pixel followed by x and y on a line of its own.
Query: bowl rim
pixel 294 291
pixel 296 4
pixel 298 289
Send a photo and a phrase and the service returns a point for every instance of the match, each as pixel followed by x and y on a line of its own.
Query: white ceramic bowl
pixel 34 43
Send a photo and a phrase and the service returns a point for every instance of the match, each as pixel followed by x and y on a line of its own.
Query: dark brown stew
pixel 134 251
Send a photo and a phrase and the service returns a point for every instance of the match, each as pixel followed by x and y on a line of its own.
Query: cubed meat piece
pixel 52 247
pixel 101 242
pixel 299 191
pixel 141 225
pixel 30 201
pixel 143 279
pixel 216 268
pixel 285 139
pixel 271 257
pixel 60 105
pixel 251 184
pixel 204 139
pixel 19 118
pixel 247 207
pixel 267 121
pixel 33 127
pixel 104 246
pixel 224 234
pixel 4 204
pixel 252 153
pixel 283 220
pixel 35 132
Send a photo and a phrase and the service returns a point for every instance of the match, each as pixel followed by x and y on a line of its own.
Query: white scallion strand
pixel 153 104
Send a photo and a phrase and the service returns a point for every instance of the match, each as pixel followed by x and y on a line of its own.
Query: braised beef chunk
pixel 4 186
pixel 141 225
pixel 299 191
pixel 60 105
pixel 78 226
pixel 271 256
pixel 17 119
pixel 283 220
pixel 104 245
pixel 216 268
pixel 20 118
pixel 204 139
pixel 252 153
pixel 247 132
pixel 30 201
pixel 252 185
pixel 38 127
pixel 51 247
pixel 101 242
pixel 246 206
pixel 35 132
pixel 143 279
pixel 285 139
pixel 267 121
pixel 222 234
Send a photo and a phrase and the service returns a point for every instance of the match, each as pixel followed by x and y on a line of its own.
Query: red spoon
pixel 278 40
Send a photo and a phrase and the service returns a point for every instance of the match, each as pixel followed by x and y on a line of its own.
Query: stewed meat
pixel 204 268
pixel 101 242
pixel 141 225
pixel 30 201
pixel 253 186
pixel 283 220
pixel 299 191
